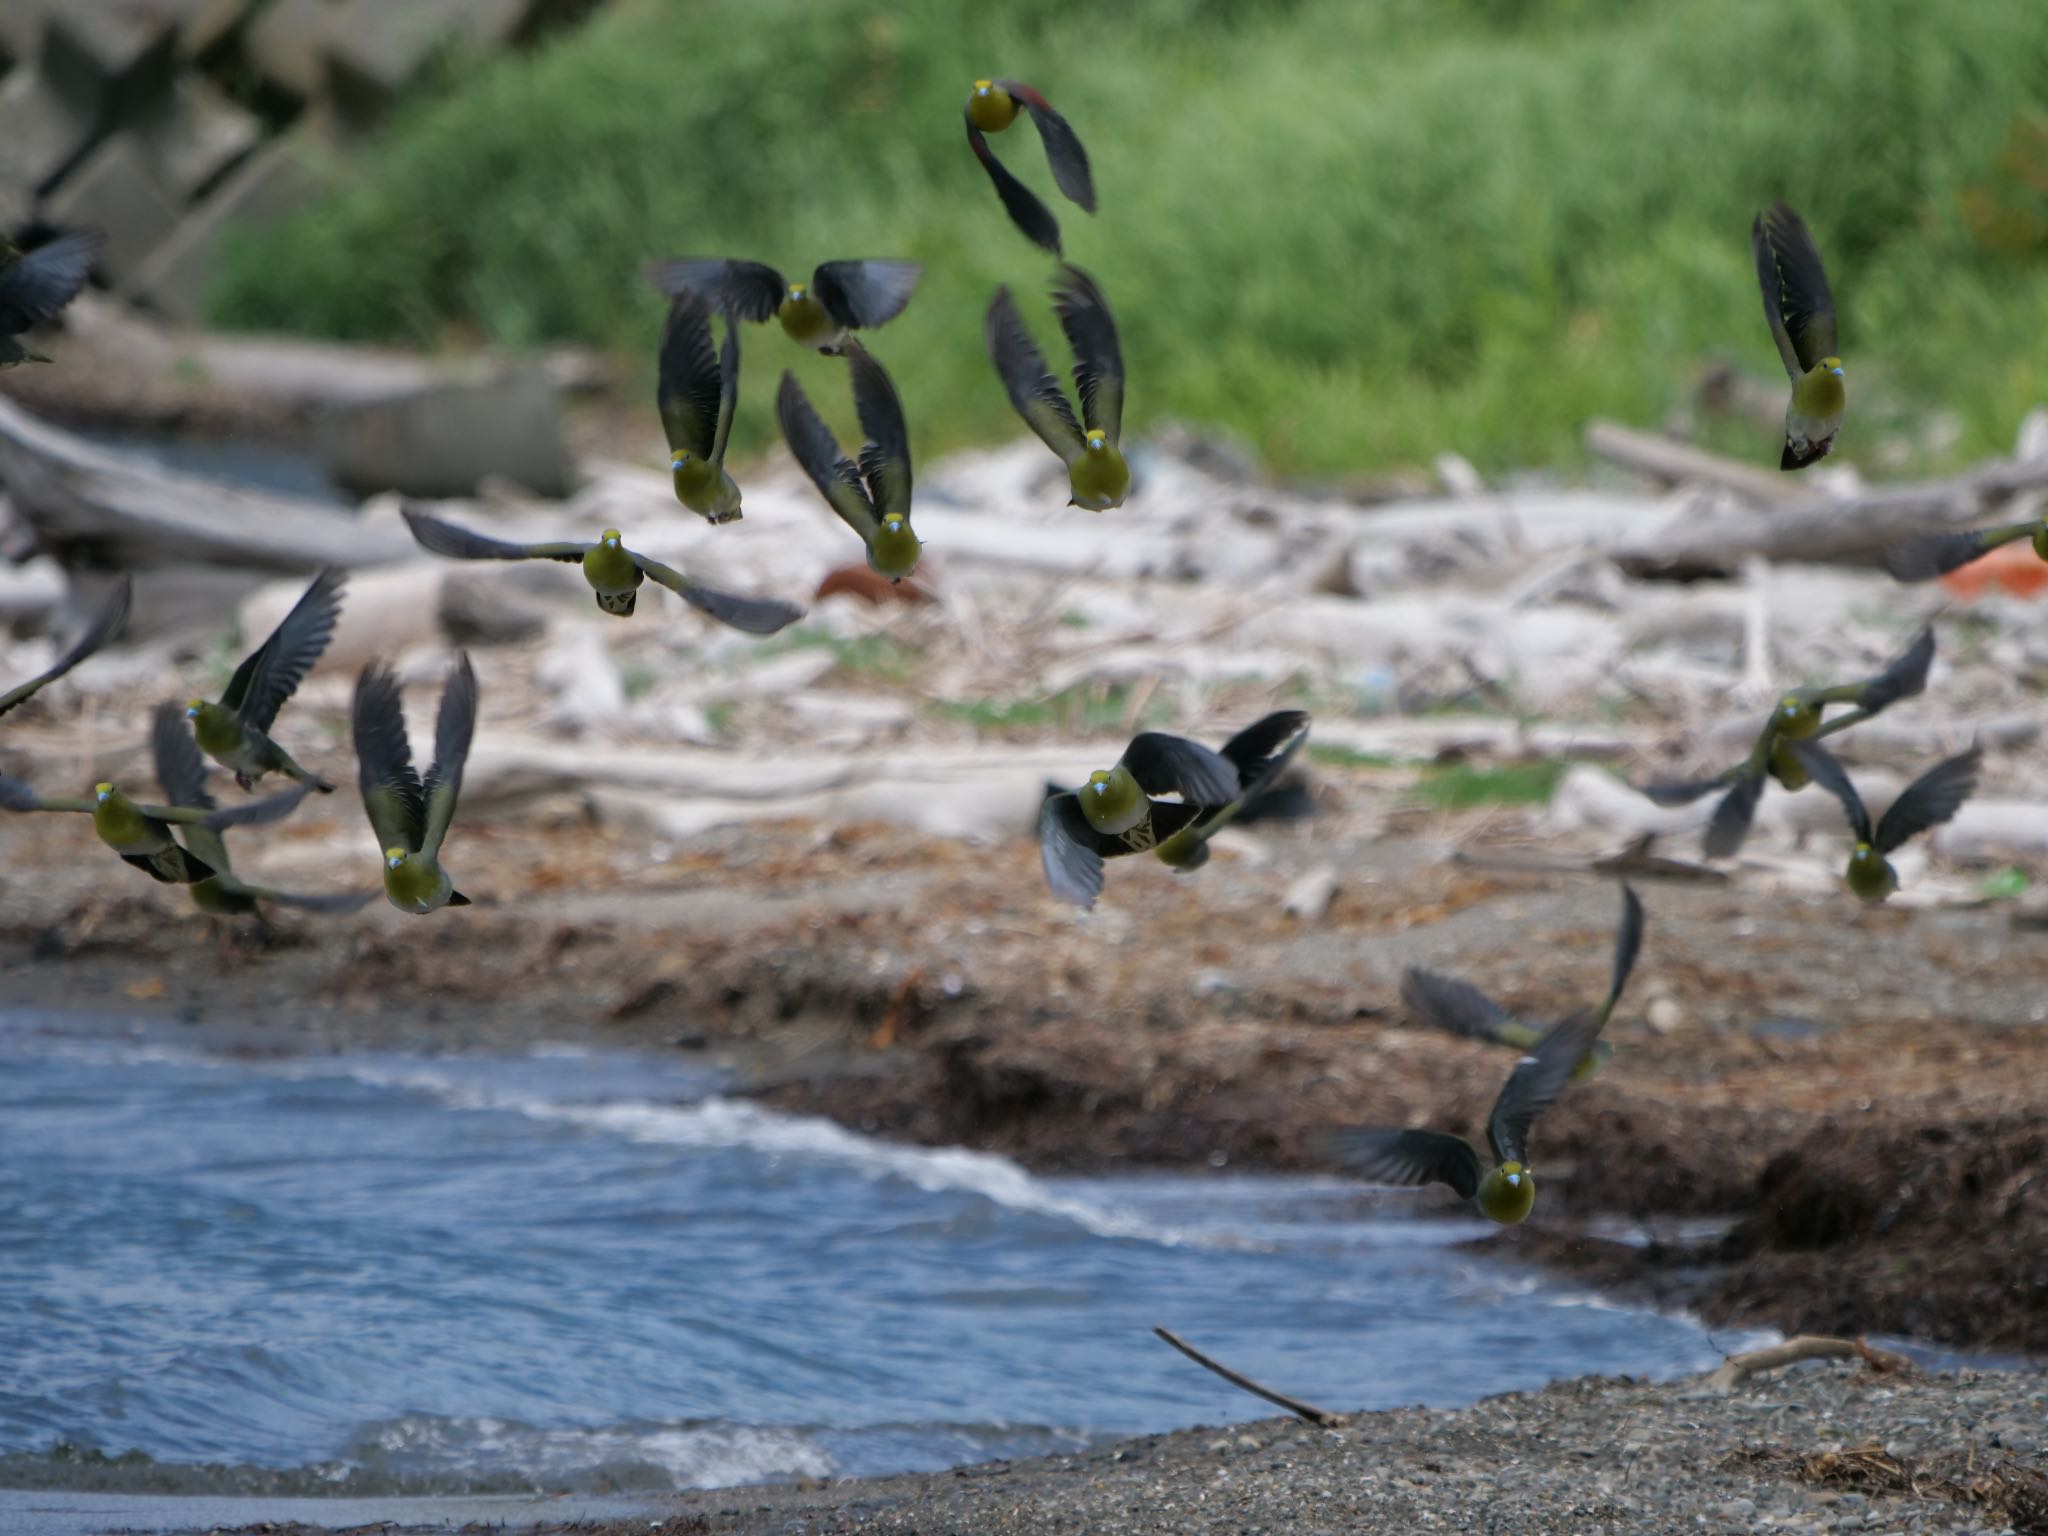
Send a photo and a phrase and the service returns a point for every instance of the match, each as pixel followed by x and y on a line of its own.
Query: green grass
pixel 1345 757
pixel 1084 709
pixel 1354 231
pixel 1461 787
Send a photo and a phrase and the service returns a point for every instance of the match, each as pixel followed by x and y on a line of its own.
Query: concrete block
pixel 288 41
pixel 116 189
pixel 443 439
pixel 110 62
pixel 278 178
pixel 41 134
pixel 195 134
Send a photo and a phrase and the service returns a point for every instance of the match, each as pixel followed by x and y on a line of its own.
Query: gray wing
pixel 1063 151
pixel 885 457
pixel 817 451
pixel 1729 826
pixel 1903 678
pixel 1797 302
pixel 1405 1158
pixel 1448 1004
pixel 744 290
pixel 180 770
pixel 1928 555
pixel 389 783
pixel 689 386
pixel 1669 792
pixel 1098 356
pixel 257 813
pixel 1034 391
pixel 461 544
pixel 1069 850
pixel 38 285
pixel 96 635
pixel 17 796
pixel 1169 765
pixel 452 733
pixel 273 672
pixel 754 615
pixel 1260 753
pixel 1024 207
pixel 861 295
pixel 728 390
pixel 1628 944
pixel 1929 800
pixel 1537 1080
pixel 1825 769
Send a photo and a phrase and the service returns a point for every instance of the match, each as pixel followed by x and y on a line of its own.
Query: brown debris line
pixel 1807 1346
pixel 1993 1482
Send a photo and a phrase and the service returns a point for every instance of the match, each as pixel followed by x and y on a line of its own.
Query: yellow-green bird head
pixel 1833 365
pixel 610 538
pixel 1098 440
pixel 395 858
pixel 1112 801
pixel 1870 874
pixel 1796 717
pixel 894 552
pixel 991 108
pixel 1507 1194
pixel 193 707
pixel 797 292
pixel 103 793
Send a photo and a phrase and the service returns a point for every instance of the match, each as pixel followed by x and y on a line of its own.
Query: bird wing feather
pixel 97 633
pixel 753 615
pixel 861 295
pixel 1098 356
pixel 1929 800
pixel 689 387
pixel 813 446
pixel 390 785
pixel 1795 287
pixel 453 729
pixel 447 539
pixel 1405 1158
pixel 743 290
pixel 1537 1080
pixel 1033 389
pixel 1170 765
pixel 274 670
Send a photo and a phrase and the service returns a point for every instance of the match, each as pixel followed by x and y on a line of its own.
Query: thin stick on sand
pixel 1808 1346
pixel 1294 1405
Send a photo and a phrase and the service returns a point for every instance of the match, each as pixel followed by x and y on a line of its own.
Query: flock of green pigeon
pixel 1165 795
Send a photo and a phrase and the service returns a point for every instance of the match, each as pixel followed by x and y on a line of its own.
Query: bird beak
pixel 1836 371
pixel 191 711
pixel 1515 1179
pixel 677 463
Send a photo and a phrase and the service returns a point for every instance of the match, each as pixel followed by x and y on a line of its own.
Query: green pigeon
pixel 181 772
pixel 1260 753
pixel 1505 1189
pixel 1459 1008
pixel 1123 809
pixel 141 833
pixel 36 286
pixel 1928 801
pixel 872 496
pixel 409 815
pixel 1796 717
pixel 991 107
pixel 1928 555
pixel 1090 448
pixel 96 635
pixel 613 571
pixel 236 731
pixel 841 296
pixel 696 390
pixel 1801 311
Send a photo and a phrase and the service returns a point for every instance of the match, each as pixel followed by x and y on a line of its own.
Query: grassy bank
pixel 1354 233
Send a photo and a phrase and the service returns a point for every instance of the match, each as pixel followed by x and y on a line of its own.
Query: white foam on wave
pixel 708 1454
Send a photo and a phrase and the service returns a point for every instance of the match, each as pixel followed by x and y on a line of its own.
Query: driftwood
pixel 1853 530
pixel 1294 1405
pixel 136 515
pixel 1737 1368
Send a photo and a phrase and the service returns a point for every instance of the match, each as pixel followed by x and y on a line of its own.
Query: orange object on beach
pixel 2013 568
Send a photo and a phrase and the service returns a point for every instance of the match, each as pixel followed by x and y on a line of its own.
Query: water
pixel 373 1274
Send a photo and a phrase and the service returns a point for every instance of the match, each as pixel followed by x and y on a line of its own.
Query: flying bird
pixel 1801 311
pixel 1797 717
pixel 696 390
pixel 1459 1008
pixel 841 296
pixel 181 772
pixel 97 633
pixel 409 815
pixel 36 286
pixel 1123 809
pixel 236 731
pixel 1260 753
pixel 1928 555
pixel 141 833
pixel 991 107
pixel 1928 801
pixel 613 571
pixel 872 496
pixel 1091 448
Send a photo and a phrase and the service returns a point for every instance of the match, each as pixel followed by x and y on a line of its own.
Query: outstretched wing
pixel 1537 1080
pixel 885 456
pixel 1070 850
pixel 1671 792
pixel 744 290
pixel 1453 1006
pixel 1628 943
pixel 17 796
pixel 1795 287
pixel 1260 753
pixel 273 672
pixel 1405 1158
pixel 389 783
pixel 1728 828
pixel 34 288
pixel 1928 555
pixel 1173 765
pixel 452 733
pixel 96 635
pixel 1825 769
pixel 1904 677
pixel 813 446
pixel 460 544
pixel 180 770
pixel 1098 357
pixel 1063 151
pixel 1034 391
pixel 689 388
pixel 861 295
pixel 1929 800
pixel 1030 215
pixel 754 615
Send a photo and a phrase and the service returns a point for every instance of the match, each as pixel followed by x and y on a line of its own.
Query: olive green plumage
pixel 181 772
pixel 1797 717
pixel 613 571
pixel 35 287
pixel 1927 802
pixel 1801 312
pixel 1505 1190
pixel 696 391
pixel 236 731
pixel 872 497
pixel 1091 448
pixel 1123 809
pixel 97 633
pixel 1928 555
pixel 841 296
pixel 1457 1007
pixel 141 833
pixel 409 815
pixel 992 105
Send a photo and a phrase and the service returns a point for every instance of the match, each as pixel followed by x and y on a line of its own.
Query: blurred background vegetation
pixel 1352 232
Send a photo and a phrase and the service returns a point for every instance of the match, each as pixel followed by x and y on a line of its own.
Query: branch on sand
pixel 1808 1346
pixel 1294 1405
